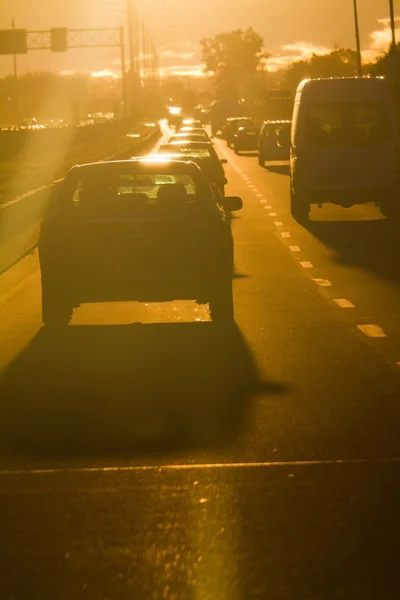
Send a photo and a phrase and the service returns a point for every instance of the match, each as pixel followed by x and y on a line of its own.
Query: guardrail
pixel 21 218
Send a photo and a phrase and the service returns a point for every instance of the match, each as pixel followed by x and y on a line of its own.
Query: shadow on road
pixel 279 169
pixel 372 245
pixel 101 390
pixel 248 153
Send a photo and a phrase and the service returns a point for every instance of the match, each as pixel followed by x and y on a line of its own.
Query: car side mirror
pixel 223 161
pixel 232 203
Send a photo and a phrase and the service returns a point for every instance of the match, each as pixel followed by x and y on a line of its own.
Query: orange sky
pixel 291 28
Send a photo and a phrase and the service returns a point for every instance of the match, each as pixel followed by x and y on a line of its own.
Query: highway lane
pixel 146 453
pixel 355 252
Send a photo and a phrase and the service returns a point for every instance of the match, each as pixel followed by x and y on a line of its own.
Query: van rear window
pixel 346 124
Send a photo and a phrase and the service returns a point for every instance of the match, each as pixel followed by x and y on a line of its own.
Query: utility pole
pixel 16 94
pixel 392 24
pixel 357 31
pixel 131 34
pixel 123 73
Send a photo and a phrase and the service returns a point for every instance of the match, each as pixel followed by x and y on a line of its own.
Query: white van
pixel 344 145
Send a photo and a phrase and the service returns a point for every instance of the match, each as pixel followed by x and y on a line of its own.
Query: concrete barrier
pixel 21 218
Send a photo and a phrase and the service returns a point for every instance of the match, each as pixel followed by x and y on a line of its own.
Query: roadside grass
pixel 37 167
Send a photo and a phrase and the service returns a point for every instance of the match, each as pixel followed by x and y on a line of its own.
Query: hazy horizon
pixel 177 28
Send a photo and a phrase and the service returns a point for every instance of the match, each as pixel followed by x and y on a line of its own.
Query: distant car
pixel 246 139
pixel 232 125
pixel 202 165
pixel 142 230
pixel 207 152
pixel 191 123
pixel 274 141
pixel 188 135
pixel 197 131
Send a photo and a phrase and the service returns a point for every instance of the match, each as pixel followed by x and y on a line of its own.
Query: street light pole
pixel 357 31
pixel 392 23
pixel 131 34
pixel 16 90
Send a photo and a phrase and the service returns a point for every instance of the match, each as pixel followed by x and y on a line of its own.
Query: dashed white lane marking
pixel 343 303
pixel 272 214
pixel 294 248
pixel 322 282
pixel 306 264
pixel 199 466
pixel 278 223
pixel 268 207
pixel 263 200
pixel 285 234
pixel 372 330
pixel 259 195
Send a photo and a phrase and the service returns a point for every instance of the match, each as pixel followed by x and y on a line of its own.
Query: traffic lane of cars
pixel 198 522
pixel 260 384
pixel 351 254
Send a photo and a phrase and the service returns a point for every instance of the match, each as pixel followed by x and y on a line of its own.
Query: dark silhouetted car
pixel 190 136
pixel 206 151
pixel 246 139
pixel 232 125
pixel 274 141
pixel 147 230
pixel 191 123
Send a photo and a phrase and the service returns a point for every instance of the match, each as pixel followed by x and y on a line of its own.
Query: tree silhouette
pixel 341 62
pixel 236 60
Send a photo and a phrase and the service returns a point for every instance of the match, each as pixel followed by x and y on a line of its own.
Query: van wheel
pixel 389 209
pixel 299 206
pixel 56 310
pixel 261 160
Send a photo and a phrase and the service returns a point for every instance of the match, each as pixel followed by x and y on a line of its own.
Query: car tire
pixel 389 209
pixel 261 160
pixel 56 310
pixel 237 151
pixel 299 206
pixel 221 304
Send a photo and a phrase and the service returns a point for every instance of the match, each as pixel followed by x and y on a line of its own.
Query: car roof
pixel 239 119
pixel 187 134
pixel 174 156
pixel 250 127
pixel 138 164
pixel 277 122
pixel 187 143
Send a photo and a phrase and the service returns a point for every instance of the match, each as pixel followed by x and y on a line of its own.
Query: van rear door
pixel 346 146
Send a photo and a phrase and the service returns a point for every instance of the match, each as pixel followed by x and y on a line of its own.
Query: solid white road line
pixel 343 303
pixel 372 330
pixel 322 282
pixel 193 467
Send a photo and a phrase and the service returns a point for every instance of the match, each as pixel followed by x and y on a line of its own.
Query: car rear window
pixel 113 193
pixel 346 124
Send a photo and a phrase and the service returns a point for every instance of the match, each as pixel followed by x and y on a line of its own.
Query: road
pixel 145 453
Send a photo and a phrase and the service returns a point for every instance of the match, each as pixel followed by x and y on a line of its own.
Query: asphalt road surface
pixel 147 454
